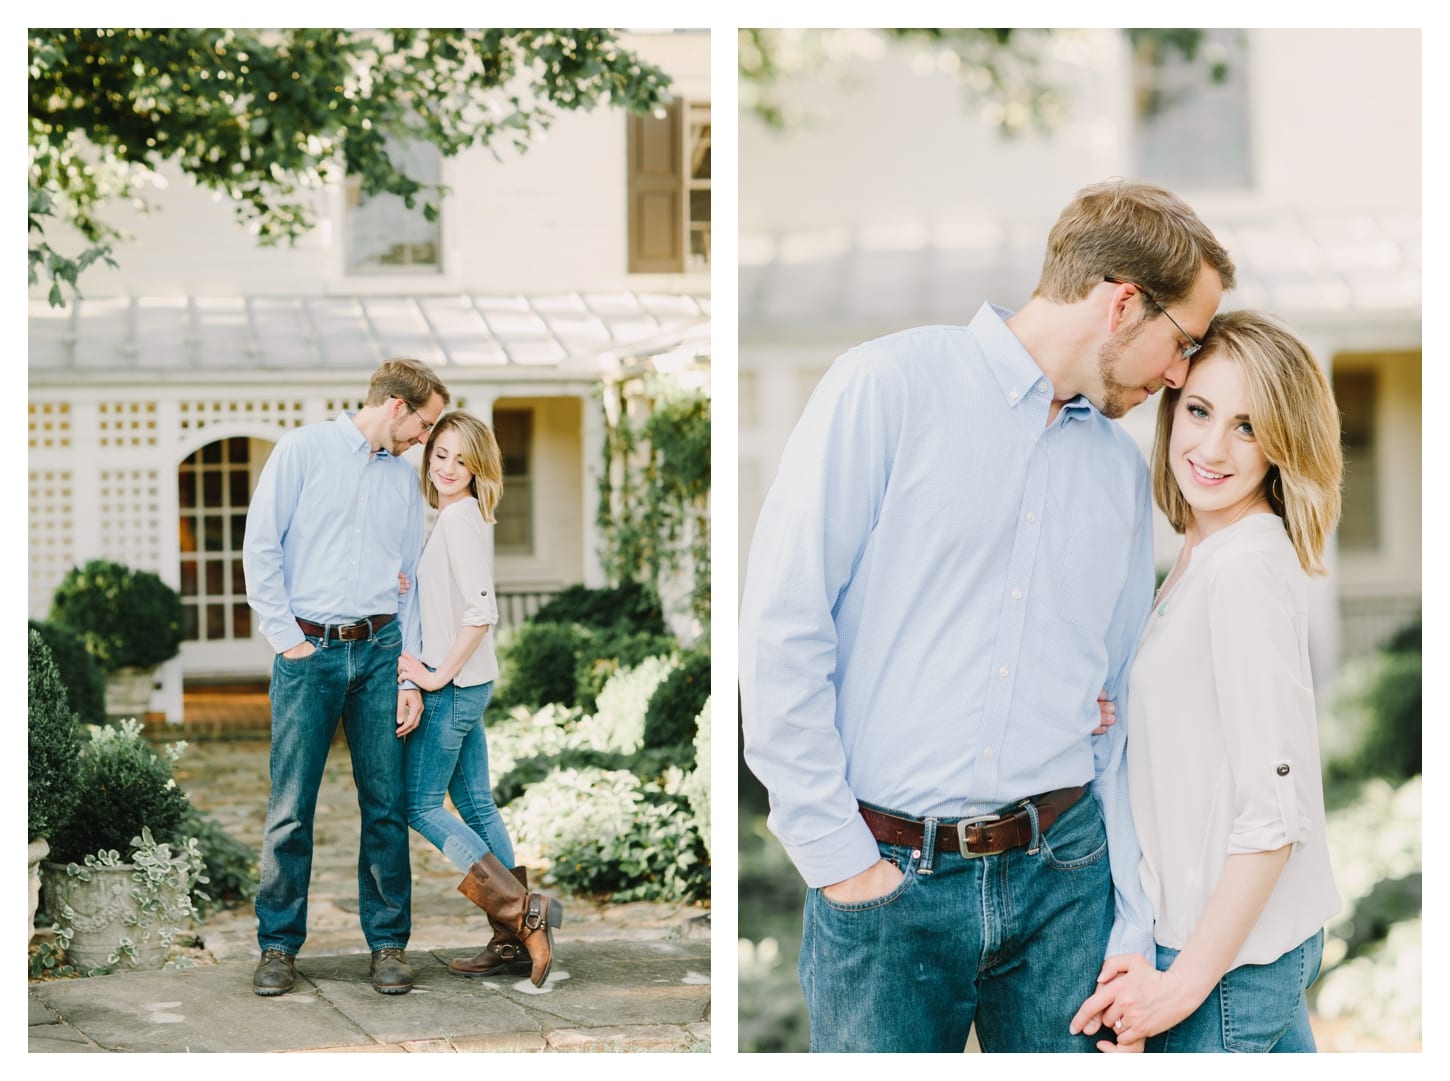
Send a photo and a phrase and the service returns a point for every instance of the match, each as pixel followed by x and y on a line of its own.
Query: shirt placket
pixel 360 516
pixel 1012 621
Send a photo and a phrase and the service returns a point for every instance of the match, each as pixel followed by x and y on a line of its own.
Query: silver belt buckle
pixel 963 825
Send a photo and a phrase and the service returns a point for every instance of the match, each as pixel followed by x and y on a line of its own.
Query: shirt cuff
pixel 837 856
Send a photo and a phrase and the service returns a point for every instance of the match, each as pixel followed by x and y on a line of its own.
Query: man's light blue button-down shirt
pixel 940 584
pixel 329 528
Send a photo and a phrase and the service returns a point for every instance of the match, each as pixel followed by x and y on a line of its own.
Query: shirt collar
pixel 352 436
pixel 1017 374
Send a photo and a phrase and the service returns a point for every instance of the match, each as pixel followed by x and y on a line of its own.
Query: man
pixel 336 516
pixel 954 559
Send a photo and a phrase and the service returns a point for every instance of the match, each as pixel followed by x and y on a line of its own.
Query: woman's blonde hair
pixel 480 455
pixel 1296 424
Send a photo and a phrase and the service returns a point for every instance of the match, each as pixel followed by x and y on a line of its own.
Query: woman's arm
pixel 1149 1002
pixel 465 644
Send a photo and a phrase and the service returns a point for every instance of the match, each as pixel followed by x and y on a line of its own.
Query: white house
pixel 155 400
pixel 896 204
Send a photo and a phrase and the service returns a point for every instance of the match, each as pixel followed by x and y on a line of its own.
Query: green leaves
pixel 267 117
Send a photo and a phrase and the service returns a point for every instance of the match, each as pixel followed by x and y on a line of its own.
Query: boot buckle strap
pixel 534 918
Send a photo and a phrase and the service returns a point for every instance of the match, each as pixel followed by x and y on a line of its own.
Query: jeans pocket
pixel 296 663
pixel 1259 1002
pixel 1077 839
pixel 907 867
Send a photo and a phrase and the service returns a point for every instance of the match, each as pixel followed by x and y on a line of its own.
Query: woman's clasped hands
pixel 1133 999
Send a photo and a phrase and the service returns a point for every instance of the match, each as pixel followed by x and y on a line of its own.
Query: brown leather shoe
pixel 390 972
pixel 504 955
pixel 523 914
pixel 275 973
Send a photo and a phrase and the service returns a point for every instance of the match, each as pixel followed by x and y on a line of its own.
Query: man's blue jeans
pixel 1013 942
pixel 1254 1008
pixel 449 753
pixel 358 682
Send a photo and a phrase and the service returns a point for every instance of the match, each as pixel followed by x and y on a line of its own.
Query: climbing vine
pixel 654 489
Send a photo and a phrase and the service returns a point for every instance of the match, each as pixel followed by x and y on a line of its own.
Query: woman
pixel 1223 768
pixel 463 479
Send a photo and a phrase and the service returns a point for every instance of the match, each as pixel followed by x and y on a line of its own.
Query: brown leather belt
pixel 346 632
pixel 980 835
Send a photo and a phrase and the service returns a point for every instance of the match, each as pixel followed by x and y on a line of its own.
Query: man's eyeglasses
pixel 1193 346
pixel 428 424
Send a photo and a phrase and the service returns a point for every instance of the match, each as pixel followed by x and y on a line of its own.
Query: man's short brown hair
pixel 408 379
pixel 1136 232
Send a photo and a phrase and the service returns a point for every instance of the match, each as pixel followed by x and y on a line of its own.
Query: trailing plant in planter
pixel 143 887
pixel 152 909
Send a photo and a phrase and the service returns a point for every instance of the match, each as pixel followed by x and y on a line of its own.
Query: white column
pixel 85 521
pixel 164 457
pixel 592 451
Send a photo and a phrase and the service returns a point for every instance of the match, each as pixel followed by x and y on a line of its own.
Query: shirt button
pixel 1002 672
pixel 1012 394
pixel 1031 517
pixel 987 753
pixel 1041 388
pixel 1282 769
pixel 1016 594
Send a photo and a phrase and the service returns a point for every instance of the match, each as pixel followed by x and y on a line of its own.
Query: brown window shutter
pixel 657 223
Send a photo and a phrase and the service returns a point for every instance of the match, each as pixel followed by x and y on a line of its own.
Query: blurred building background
pixel 156 398
pixel 889 181
pixel 892 199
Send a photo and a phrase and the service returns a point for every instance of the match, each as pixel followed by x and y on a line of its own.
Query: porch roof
pixel 1320 267
pixel 467 334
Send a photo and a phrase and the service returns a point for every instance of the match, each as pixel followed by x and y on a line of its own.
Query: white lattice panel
pixel 198 413
pixel 49 425
pixel 130 517
pixel 51 551
pixel 126 424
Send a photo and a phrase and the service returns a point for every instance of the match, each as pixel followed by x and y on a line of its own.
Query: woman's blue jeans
pixel 1253 1008
pixel 448 753
pixel 1013 942
pixel 357 682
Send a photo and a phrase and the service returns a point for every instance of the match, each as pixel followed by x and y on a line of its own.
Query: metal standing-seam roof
pixel 1322 266
pixel 542 334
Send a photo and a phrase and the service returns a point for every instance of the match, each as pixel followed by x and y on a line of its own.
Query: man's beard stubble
pixel 1115 403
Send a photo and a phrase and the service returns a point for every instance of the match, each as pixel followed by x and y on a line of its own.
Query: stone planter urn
pixel 101 908
pixel 128 692
pixel 38 851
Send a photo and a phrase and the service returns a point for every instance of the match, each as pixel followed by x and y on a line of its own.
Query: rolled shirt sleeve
pixel 1266 707
pixel 466 543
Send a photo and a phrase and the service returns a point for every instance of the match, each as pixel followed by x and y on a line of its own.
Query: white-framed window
pixel 514 531
pixel 213 490
pixel 669 189
pixel 1192 131
pixel 1356 390
pixel 381 235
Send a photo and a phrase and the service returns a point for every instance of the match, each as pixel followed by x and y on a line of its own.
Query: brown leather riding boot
pixel 504 954
pixel 490 886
